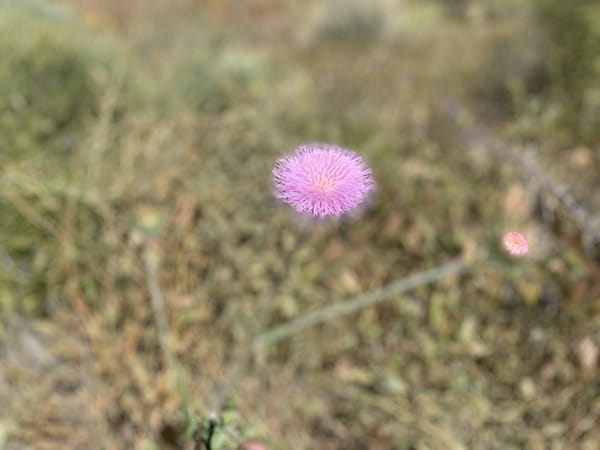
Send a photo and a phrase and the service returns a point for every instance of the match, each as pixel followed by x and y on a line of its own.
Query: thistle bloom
pixel 515 244
pixel 322 180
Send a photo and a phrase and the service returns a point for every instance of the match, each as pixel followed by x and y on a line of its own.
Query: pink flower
pixel 515 244
pixel 322 180
pixel 253 446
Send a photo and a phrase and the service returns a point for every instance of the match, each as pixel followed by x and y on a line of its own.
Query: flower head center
pixel 324 183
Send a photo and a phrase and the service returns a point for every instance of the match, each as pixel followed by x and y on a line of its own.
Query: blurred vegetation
pixel 573 62
pixel 129 129
pixel 542 51
pixel 351 22
pixel 52 76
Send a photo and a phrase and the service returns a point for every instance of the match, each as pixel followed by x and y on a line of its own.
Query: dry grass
pixel 170 206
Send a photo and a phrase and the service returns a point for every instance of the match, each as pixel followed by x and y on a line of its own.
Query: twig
pixel 239 367
pixel 27 211
pixel 544 184
pixel 198 433
pixel 362 301
pixel 158 305
pixel 160 318
pixel 316 317
pixel 530 171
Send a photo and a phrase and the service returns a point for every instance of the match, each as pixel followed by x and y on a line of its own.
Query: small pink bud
pixel 515 244
pixel 253 446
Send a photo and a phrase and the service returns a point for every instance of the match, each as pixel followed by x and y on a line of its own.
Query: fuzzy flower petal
pixel 322 180
pixel 515 244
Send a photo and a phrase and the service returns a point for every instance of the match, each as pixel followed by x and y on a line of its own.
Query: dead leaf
pixel 349 282
pixel 347 372
pixel 580 157
pixel 587 352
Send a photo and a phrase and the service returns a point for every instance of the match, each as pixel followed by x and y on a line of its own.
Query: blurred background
pixel 141 249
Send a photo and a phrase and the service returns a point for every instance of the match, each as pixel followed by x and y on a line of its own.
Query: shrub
pixel 350 22
pixel 573 59
pixel 52 76
pixel 214 81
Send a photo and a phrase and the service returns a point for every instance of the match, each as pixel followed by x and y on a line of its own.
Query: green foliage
pixel 55 77
pixel 53 74
pixel 511 63
pixel 213 81
pixel 449 365
pixel 18 242
pixel 544 49
pixel 351 22
pixel 573 58
pixel 219 78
